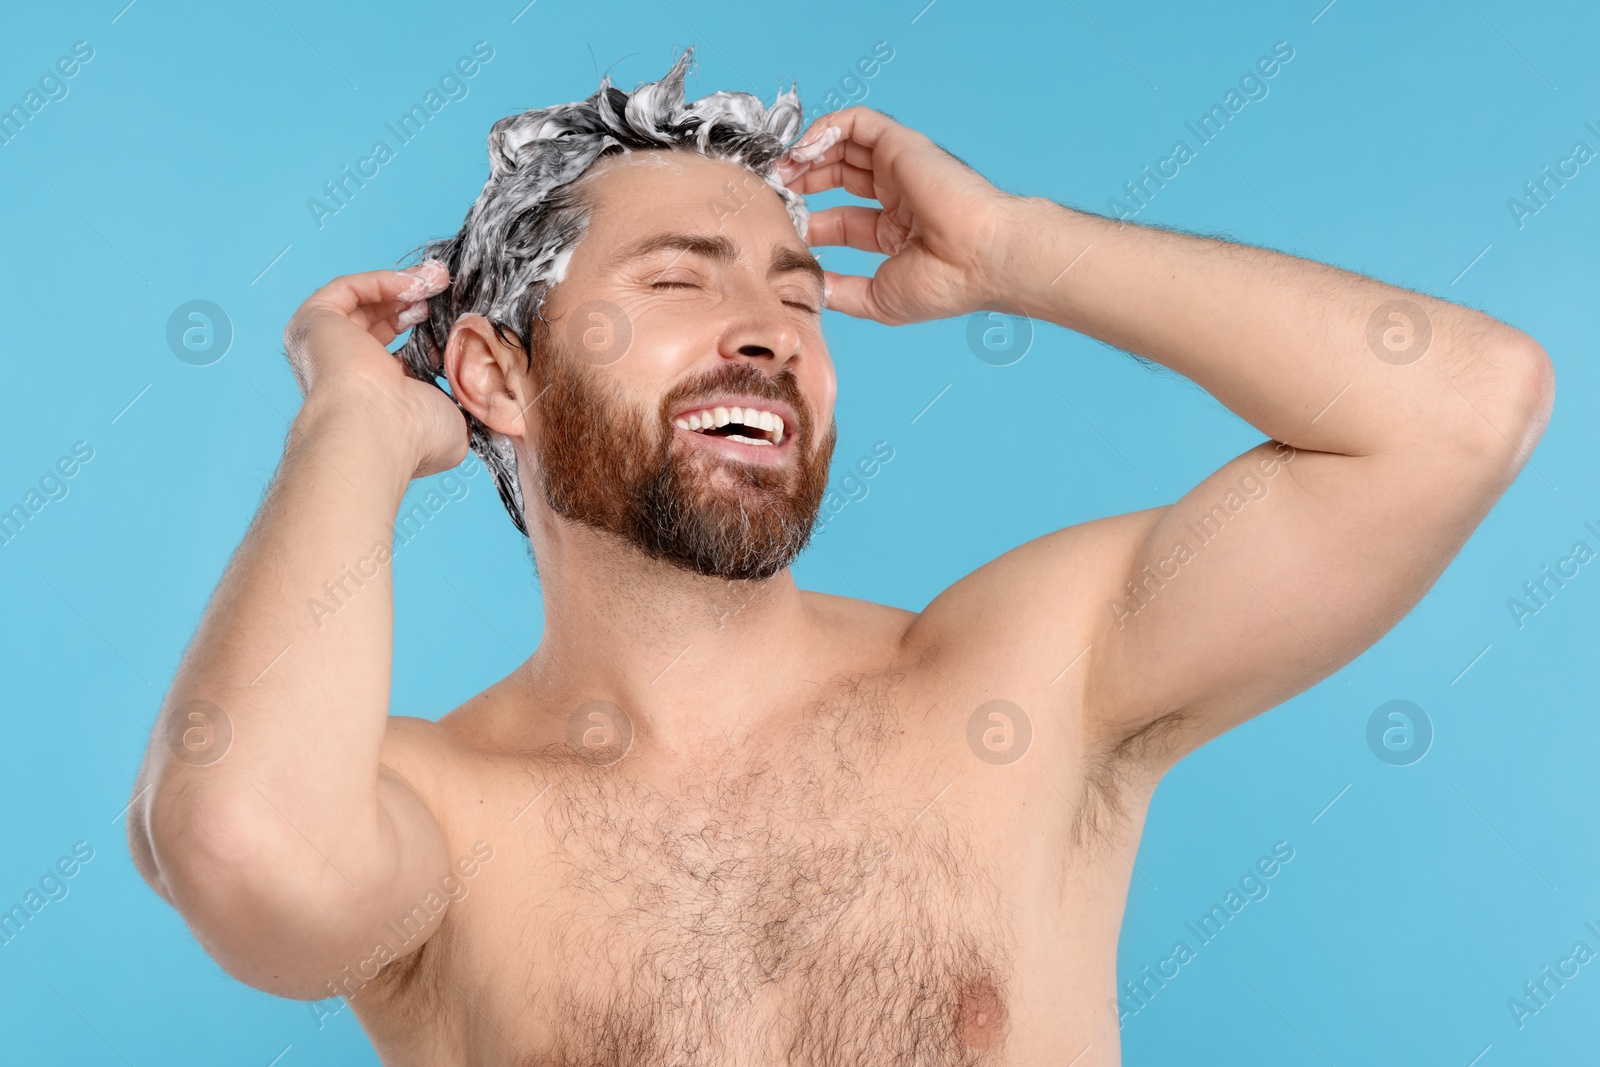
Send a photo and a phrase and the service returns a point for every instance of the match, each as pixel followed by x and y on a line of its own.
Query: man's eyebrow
pixel 787 259
pixel 719 249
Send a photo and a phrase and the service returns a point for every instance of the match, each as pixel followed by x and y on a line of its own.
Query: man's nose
pixel 763 328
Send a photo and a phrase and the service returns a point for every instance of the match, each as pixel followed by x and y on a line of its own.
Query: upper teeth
pixel 711 418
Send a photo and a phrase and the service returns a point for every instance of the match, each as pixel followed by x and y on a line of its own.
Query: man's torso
pixel 895 871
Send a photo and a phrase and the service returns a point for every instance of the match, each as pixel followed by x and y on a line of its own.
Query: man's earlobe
pixel 486 375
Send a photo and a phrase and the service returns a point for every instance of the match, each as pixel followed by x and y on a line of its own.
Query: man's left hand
pixel 947 231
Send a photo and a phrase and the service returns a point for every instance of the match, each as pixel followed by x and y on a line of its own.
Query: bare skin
pixel 817 840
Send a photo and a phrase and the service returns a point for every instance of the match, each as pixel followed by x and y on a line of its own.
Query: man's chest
pixel 838 892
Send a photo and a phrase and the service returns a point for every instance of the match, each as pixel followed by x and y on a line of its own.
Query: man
pixel 715 818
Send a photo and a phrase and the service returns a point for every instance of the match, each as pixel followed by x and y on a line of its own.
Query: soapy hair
pixel 522 229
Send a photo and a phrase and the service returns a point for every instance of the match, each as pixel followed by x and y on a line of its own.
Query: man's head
pixel 685 285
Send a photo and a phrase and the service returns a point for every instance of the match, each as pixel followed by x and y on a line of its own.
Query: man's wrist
pixel 352 427
pixel 1046 245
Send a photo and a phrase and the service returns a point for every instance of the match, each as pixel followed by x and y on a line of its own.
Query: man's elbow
pixel 263 914
pixel 1513 405
pixel 1538 380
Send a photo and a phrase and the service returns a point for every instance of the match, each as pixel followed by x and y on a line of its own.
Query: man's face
pixel 686 299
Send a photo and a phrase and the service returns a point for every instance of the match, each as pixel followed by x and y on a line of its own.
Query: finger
pixel 862 125
pixel 407 317
pixel 385 303
pixel 791 166
pixel 841 175
pixel 850 225
pixel 818 139
pixel 411 314
pixel 852 294
pixel 848 151
pixel 378 294
pixel 383 328
pixel 854 134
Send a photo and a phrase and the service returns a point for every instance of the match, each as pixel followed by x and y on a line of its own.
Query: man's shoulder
pixel 466 731
pixel 836 612
pixel 431 756
pixel 1026 612
pixel 1051 585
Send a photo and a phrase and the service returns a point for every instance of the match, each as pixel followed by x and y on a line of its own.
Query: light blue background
pixel 179 167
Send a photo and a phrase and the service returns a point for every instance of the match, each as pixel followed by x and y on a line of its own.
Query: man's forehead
pixel 654 200
pixel 654 183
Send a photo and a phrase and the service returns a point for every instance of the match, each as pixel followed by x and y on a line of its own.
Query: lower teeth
pixel 746 440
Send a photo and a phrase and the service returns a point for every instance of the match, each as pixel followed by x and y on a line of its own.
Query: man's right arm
pixel 263 814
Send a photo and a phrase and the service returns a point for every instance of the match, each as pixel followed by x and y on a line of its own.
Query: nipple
pixel 980 1015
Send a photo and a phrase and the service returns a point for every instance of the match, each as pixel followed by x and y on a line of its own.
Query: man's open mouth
pixel 750 425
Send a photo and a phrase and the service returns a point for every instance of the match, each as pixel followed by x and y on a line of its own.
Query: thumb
pixel 851 294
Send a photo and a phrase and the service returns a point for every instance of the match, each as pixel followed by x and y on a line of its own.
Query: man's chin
pixel 707 518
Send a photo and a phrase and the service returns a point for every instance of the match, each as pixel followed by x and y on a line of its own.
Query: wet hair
pixel 522 229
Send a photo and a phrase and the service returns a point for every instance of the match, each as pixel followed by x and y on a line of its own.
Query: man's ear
pixel 487 376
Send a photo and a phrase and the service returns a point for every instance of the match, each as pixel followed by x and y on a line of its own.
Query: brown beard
pixel 605 464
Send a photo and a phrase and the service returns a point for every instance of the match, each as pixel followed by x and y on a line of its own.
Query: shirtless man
pixel 716 819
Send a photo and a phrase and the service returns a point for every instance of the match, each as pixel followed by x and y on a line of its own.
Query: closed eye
pixel 803 306
pixel 693 285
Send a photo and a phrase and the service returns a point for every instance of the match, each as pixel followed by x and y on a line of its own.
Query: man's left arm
pixel 1395 420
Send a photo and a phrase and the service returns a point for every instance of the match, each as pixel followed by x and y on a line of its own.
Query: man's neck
pixel 686 656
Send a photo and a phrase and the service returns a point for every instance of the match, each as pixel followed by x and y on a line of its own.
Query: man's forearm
pixel 302 688
pixel 1320 358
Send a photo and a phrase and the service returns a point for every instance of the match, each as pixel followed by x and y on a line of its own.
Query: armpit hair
pixel 1112 769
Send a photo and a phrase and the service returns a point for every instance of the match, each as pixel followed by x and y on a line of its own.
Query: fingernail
pixel 813 144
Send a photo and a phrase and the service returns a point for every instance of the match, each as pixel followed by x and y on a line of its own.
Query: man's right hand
pixel 337 347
